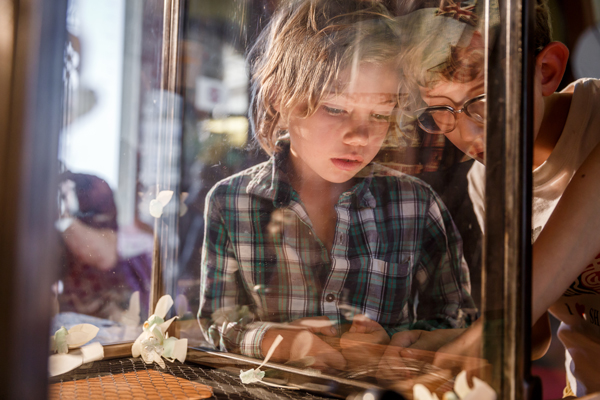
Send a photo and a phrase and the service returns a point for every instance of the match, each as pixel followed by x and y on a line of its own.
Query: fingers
pixel 363 324
pixel 438 382
pixel 328 331
pixel 360 350
pixel 391 368
pixel 406 338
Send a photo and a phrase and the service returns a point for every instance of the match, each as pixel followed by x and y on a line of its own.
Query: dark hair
pixel 543 26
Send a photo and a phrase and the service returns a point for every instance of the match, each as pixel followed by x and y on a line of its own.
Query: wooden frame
pixel 32 34
pixel 507 245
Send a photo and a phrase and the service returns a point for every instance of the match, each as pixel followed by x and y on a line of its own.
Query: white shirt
pixel 579 308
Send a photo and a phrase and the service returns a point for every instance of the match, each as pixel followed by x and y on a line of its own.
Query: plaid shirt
pixel 397 257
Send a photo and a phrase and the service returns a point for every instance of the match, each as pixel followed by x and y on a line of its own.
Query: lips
pixel 347 163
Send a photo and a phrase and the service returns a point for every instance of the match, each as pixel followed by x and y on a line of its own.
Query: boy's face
pixel 468 135
pixel 347 130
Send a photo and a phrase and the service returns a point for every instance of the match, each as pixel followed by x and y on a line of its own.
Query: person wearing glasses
pixel 444 119
pixel 566 189
pixel 318 245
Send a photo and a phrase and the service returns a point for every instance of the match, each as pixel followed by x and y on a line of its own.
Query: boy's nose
pixel 469 130
pixel 357 133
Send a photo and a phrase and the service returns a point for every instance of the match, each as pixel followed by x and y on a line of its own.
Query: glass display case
pixel 303 179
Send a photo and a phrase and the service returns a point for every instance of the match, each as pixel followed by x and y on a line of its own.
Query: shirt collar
pixel 272 182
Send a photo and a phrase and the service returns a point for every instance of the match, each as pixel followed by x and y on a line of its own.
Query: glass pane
pixel 111 85
pixel 311 170
pixel 315 206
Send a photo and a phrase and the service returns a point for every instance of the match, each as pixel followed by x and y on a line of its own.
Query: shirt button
pixel 329 298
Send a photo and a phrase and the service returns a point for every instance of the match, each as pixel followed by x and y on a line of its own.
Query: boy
pixel 317 235
pixel 566 188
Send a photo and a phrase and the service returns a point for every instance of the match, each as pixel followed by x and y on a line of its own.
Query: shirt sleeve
pixel 226 314
pixel 442 274
pixel 476 188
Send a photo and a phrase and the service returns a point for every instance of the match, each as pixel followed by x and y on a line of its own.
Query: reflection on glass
pixel 328 242
pixel 106 265
pixel 282 202
pixel 317 174
pixel 443 119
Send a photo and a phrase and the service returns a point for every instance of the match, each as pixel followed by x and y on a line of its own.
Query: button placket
pixel 339 261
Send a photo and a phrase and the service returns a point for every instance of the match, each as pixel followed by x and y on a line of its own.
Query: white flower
pixel 156 206
pixel 154 343
pixel 462 390
pixel 72 339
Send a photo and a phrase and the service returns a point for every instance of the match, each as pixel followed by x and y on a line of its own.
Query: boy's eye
pixel 334 111
pixel 381 117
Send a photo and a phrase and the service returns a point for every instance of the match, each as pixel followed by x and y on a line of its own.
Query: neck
pixel 312 187
pixel 556 111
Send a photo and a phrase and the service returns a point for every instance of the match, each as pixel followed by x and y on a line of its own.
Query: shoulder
pixel 238 184
pixel 583 85
pixel 582 128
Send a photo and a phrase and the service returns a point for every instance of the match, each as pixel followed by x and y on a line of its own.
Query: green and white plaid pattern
pixel 397 257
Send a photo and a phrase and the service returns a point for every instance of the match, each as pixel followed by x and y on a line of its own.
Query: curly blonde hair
pixel 464 64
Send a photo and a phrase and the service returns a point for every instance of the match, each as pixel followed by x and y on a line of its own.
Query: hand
pixel 463 352
pixel 364 343
pixel 303 347
pixel 438 382
pixel 320 325
pixel 69 201
pixel 430 341
pixel 311 351
pixel 401 374
pixel 391 368
pixel 541 337
pixel 410 352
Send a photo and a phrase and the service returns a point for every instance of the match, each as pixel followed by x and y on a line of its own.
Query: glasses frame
pixel 463 109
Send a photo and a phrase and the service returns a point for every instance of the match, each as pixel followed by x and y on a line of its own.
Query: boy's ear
pixel 551 63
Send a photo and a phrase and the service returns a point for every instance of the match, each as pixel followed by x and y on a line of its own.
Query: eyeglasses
pixel 442 119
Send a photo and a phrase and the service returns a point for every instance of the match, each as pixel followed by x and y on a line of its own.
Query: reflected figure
pixel 318 244
pixel 96 280
pixel 566 186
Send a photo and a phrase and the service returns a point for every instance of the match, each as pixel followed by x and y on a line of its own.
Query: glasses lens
pixel 437 121
pixel 476 110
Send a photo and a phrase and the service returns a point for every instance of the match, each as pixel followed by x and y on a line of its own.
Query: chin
pixel 338 178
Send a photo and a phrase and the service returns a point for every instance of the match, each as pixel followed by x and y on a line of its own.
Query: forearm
pixel 285 350
pixel 95 247
pixel 569 240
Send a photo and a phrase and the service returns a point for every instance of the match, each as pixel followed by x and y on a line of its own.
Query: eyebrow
pixel 439 96
pixel 377 98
